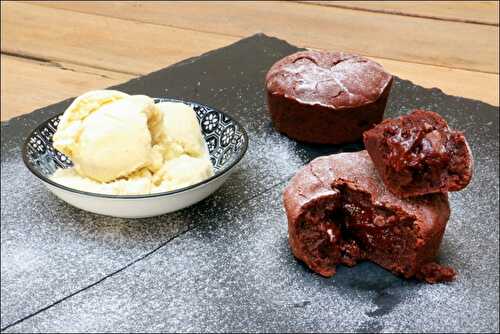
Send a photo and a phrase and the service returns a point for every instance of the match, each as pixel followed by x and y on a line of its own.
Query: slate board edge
pixel 192 59
pixel 178 64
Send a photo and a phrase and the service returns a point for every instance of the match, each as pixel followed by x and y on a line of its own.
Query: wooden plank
pixel 419 40
pixel 101 42
pixel 48 83
pixel 470 84
pixel 22 76
pixel 28 84
pixel 480 12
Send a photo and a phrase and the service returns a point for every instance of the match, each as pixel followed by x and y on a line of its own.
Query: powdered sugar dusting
pixel 234 271
pixel 255 284
pixel 330 79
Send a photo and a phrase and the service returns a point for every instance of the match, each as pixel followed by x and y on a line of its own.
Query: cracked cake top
pixel 334 79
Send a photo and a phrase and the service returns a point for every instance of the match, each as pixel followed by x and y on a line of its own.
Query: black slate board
pixel 224 264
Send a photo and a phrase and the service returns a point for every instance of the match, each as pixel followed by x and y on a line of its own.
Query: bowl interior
pixel 226 141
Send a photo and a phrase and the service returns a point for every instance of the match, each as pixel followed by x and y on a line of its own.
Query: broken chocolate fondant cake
pixel 339 212
pixel 418 154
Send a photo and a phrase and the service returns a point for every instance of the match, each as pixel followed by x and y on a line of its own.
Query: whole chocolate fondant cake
pixel 339 212
pixel 326 97
pixel 418 154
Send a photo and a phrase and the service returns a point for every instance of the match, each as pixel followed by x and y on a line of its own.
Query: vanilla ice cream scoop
pixel 181 172
pixel 113 140
pixel 126 144
pixel 71 123
pixel 182 129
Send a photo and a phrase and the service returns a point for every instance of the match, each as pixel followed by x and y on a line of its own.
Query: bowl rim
pixel 216 175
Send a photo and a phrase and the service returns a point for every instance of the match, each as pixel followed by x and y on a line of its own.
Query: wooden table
pixel 55 50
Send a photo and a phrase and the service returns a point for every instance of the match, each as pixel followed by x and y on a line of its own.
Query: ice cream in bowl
pixel 132 155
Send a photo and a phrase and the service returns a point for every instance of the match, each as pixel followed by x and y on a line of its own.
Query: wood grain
pixel 28 85
pixel 51 82
pixel 480 12
pixel 97 41
pixel 418 40
pixel 82 51
pixel 470 84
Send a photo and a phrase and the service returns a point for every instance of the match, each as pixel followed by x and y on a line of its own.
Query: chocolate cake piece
pixel 339 212
pixel 326 97
pixel 418 154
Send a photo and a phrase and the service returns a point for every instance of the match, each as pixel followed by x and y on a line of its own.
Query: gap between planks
pixel 67 79
pixel 148 18
pixel 465 83
pixel 473 12
pixel 47 83
pixel 416 40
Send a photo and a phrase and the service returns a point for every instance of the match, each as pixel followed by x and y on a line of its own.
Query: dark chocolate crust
pixel 339 212
pixel 419 154
pixel 326 97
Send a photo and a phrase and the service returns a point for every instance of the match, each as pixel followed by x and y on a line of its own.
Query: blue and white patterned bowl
pixel 227 142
